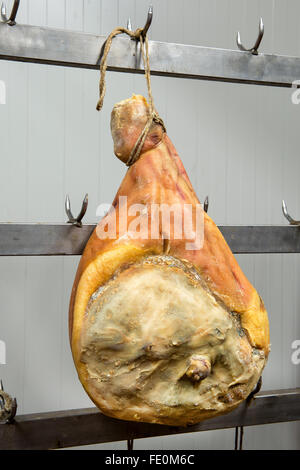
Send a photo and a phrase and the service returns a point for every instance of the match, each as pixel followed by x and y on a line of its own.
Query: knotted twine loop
pixel 153 116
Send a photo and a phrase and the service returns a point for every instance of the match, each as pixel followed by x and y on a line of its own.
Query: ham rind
pixel 163 328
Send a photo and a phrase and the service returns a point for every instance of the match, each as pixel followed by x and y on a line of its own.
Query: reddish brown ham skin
pixel 159 177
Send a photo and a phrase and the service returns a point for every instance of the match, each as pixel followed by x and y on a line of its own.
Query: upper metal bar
pixel 66 48
pixel 69 428
pixel 60 239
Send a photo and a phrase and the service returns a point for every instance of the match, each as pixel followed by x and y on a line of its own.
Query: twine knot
pixel 138 34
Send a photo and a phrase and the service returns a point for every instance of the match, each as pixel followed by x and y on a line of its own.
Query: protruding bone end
pixel 199 368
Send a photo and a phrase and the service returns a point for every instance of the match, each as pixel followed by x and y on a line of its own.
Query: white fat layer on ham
pixel 157 345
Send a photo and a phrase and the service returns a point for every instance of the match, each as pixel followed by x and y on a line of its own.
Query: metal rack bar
pixel 64 239
pixel 69 428
pixel 67 48
pixel 43 239
pixel 262 238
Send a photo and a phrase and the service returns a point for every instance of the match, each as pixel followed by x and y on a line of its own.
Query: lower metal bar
pixel 65 239
pixel 61 429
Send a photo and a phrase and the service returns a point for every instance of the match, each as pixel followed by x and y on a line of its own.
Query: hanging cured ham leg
pixel 164 325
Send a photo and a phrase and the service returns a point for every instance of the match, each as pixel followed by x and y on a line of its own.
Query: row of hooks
pixel 77 221
pixel 253 50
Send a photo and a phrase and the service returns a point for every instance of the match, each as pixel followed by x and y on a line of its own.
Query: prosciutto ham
pixel 164 326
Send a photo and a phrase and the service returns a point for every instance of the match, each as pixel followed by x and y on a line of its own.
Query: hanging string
pixel 152 114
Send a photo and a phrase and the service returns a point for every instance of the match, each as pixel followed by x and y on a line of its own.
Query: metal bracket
pixel 11 20
pixel 254 49
pixel 8 406
pixel 76 220
pixel 287 215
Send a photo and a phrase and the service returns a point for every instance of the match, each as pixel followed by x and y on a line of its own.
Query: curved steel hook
pixel 256 389
pixel 147 25
pixel 254 49
pixel 11 20
pixel 205 204
pixel 76 220
pixel 148 22
pixel 129 27
pixel 287 215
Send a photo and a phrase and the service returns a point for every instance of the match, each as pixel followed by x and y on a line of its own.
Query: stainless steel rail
pixel 64 239
pixel 76 49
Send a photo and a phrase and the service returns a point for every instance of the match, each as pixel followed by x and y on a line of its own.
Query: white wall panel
pixel 238 143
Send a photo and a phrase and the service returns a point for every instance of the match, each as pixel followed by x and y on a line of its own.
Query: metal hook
pixel 254 391
pixel 148 22
pixel 205 204
pixel 147 25
pixel 254 49
pixel 287 215
pixel 238 441
pixel 130 444
pixel 72 220
pixel 11 20
pixel 129 27
pixel 239 446
pixel 8 406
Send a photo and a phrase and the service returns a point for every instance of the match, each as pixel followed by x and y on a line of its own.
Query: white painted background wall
pixel 239 144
